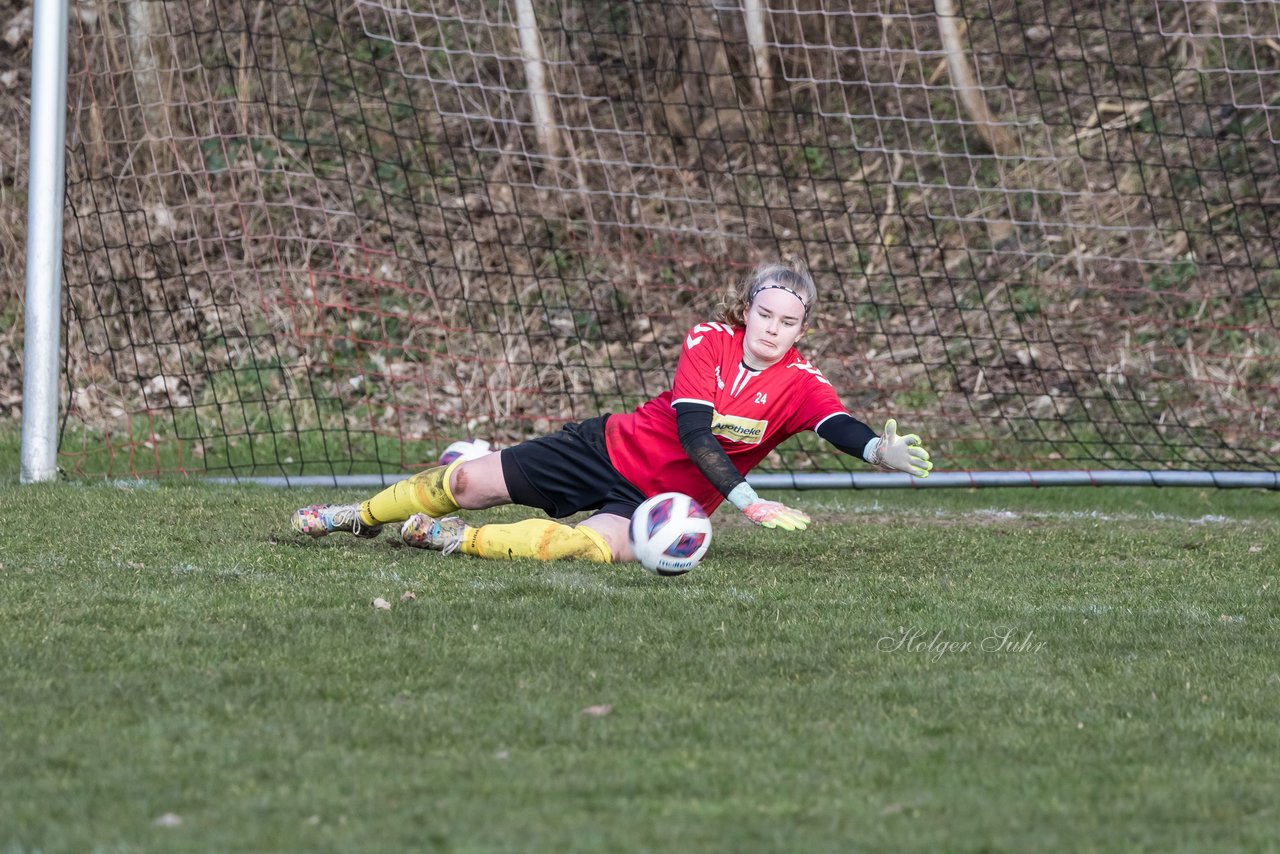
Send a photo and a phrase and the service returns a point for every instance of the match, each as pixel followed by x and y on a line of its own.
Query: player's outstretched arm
pixel 887 451
pixel 693 424
pixel 900 453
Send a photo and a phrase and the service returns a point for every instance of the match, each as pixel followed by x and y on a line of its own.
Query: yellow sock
pixel 536 538
pixel 426 492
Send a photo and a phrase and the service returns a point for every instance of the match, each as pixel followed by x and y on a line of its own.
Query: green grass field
pixel 994 671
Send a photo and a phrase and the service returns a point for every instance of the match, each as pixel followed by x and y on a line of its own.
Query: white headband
pixel 791 291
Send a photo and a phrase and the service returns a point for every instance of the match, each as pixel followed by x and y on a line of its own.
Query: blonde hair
pixel 792 278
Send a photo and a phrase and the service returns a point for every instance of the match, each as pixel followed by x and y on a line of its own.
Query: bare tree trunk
pixel 763 81
pixel 965 83
pixel 153 107
pixel 536 76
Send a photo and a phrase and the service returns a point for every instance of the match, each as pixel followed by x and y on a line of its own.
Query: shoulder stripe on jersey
pixel 694 338
pixel 808 367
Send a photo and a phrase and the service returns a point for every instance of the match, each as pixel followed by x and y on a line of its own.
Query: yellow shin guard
pixel 426 492
pixel 536 538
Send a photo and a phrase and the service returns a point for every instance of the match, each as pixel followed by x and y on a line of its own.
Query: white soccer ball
pixel 670 533
pixel 466 450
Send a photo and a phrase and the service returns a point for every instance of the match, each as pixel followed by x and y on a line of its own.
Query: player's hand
pixel 774 514
pixel 901 453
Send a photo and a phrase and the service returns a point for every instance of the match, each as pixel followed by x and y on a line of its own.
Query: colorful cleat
pixel 319 520
pixel 442 535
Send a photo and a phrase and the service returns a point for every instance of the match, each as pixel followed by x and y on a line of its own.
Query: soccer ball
pixel 465 450
pixel 670 533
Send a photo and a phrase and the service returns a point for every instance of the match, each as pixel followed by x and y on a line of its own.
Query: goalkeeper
pixel 740 389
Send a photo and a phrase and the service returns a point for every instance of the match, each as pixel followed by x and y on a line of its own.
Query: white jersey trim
pixel 745 375
pixel 692 400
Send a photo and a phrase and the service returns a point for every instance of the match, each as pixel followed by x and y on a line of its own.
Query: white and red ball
pixel 670 533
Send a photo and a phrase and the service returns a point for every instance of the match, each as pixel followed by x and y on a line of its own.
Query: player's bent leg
pixel 436 492
pixel 426 492
pixel 480 484
pixel 540 539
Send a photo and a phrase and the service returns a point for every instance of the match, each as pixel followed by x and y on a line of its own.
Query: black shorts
pixel 568 472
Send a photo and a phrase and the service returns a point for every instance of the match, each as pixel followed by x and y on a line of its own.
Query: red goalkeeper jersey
pixel 753 412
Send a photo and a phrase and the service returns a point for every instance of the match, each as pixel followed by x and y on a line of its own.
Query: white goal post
pixel 42 320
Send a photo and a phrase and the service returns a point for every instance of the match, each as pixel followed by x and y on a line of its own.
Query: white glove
pixel 900 453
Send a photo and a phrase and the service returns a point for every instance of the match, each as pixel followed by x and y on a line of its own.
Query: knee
pixel 478 484
pixel 462 487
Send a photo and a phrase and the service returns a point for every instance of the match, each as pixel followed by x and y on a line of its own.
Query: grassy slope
pixel 175 649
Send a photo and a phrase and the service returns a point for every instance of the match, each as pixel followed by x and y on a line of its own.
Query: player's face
pixel 774 322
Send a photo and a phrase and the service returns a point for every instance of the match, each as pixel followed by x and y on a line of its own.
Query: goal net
pixel 322 237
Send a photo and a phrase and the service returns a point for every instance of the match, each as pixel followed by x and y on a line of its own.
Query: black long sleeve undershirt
pixel 847 433
pixel 693 426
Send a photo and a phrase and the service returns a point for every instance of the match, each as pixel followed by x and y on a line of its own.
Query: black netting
pixel 318 237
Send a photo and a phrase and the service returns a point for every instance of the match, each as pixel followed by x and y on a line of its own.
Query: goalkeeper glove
pixel 900 453
pixel 767 514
